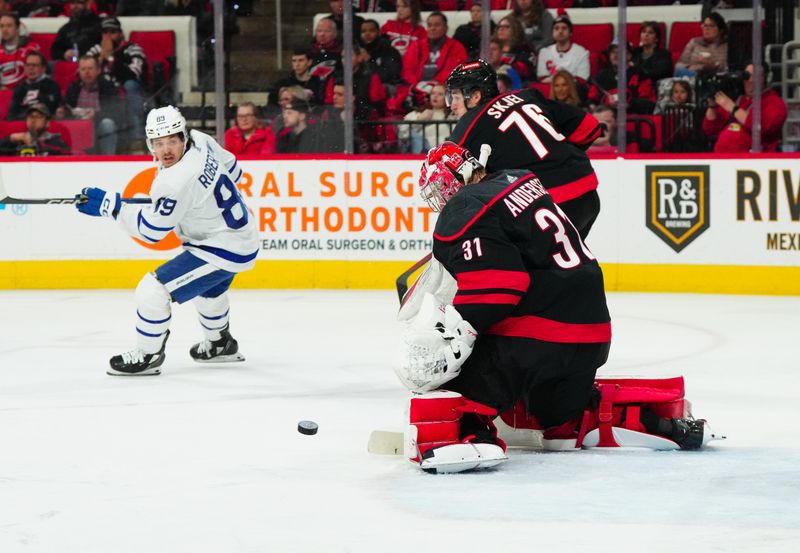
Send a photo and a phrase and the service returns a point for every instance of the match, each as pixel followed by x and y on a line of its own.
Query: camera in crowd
pixel 730 83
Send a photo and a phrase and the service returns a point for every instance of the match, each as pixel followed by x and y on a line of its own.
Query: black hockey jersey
pixel 527 131
pixel 520 266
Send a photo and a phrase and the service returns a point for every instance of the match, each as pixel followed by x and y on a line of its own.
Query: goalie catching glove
pixel 97 202
pixel 433 347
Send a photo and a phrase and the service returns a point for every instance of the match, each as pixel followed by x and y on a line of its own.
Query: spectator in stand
pixel 564 89
pixel 434 58
pixel 37 140
pixel 563 54
pixel 300 75
pixel 680 95
pixel 337 15
pixel 95 98
pixel 386 60
pixel 652 60
pixel 536 22
pixel 368 91
pixel 607 140
pixel 469 34
pixel 14 50
pixel 326 52
pixel 708 53
pixel 731 121
pixel 405 29
pixel 423 138
pixel 497 63
pixel 77 35
pixel 124 64
pixel 249 136
pixel 641 91
pixel 37 87
pixel 300 138
pixel 515 50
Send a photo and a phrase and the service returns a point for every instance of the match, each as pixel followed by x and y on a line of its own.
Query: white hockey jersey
pixel 198 199
pixel 575 60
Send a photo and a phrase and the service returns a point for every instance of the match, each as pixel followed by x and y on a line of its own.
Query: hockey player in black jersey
pixel 523 320
pixel 527 131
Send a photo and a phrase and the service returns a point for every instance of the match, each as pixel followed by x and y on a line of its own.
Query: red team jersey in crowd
pixel 12 64
pixel 401 35
pixel 520 266
pixel 527 131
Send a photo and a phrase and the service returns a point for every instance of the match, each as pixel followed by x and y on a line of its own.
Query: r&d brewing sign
pixel 677 203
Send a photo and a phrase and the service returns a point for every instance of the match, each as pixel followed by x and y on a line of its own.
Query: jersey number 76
pixel 534 115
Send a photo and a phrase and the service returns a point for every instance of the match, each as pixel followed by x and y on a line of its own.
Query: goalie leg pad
pixel 153 314
pixel 436 439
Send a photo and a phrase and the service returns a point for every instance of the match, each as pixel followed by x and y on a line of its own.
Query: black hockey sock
pixel 655 424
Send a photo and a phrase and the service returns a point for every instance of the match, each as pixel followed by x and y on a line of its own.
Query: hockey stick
pixel 402 281
pixel 78 198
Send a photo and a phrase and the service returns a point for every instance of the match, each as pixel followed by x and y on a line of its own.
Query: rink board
pixel 668 223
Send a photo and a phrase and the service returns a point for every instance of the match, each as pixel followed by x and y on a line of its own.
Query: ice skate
pixel 137 363
pixel 692 433
pixel 224 350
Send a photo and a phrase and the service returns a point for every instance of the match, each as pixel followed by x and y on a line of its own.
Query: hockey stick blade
pixel 9 200
pixel 383 442
pixel 402 281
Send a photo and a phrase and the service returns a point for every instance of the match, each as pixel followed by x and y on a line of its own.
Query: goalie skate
pixel 137 363
pixel 224 350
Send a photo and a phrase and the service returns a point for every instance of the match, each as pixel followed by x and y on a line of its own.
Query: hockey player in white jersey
pixel 194 194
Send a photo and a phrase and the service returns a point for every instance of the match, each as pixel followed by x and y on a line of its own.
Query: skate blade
pixel 147 372
pixel 233 358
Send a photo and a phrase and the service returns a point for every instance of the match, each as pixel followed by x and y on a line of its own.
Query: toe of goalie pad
pixel 629 439
pixel 463 457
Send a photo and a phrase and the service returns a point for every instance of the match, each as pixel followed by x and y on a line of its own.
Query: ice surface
pixel 208 459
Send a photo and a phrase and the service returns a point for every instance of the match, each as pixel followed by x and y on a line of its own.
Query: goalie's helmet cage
pixel 446 170
pixel 470 76
pixel 163 122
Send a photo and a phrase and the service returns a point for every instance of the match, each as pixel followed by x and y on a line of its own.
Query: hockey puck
pixel 307 427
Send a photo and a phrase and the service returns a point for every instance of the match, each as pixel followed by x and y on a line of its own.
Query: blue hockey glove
pixel 99 203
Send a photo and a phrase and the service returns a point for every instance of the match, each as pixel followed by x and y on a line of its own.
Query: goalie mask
pixel 446 170
pixel 163 122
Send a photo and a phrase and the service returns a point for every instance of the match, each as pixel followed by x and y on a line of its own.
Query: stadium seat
pixel 594 37
pixel 645 131
pixel 679 35
pixel 45 41
pixel 159 47
pixel 81 132
pixel 632 33
pixel 64 72
pixel 5 101
pixel 544 88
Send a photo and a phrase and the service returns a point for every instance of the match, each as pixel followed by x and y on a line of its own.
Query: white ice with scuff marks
pixel 207 458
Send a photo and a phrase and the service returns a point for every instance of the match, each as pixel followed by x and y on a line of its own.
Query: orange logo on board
pixel 140 184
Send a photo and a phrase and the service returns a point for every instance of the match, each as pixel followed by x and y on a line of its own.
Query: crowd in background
pixel 399 71
pixel 400 67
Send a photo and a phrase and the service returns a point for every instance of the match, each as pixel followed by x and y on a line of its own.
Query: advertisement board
pixel 666 223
